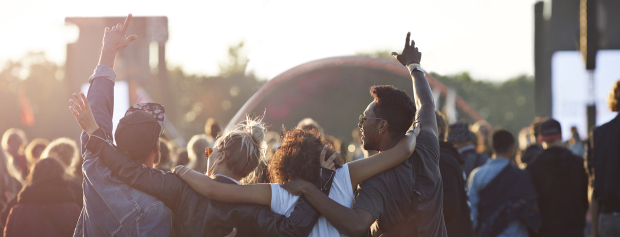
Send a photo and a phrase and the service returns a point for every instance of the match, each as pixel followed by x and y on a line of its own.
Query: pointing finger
pixel 407 39
pixel 126 24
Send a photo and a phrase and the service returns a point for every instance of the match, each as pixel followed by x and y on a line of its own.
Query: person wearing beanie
pixel 463 139
pixel 561 184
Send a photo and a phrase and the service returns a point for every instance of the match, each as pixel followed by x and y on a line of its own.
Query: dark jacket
pixel 43 209
pixel 510 196
pixel 456 212
pixel 196 215
pixel 606 164
pixel 562 186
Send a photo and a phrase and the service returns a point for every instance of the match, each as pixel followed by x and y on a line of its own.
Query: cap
pixel 139 130
pixel 459 132
pixel 550 130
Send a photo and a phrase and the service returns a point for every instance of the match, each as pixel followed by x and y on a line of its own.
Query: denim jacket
pixel 111 207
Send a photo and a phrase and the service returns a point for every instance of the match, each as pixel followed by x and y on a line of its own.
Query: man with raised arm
pixel 112 208
pixel 407 199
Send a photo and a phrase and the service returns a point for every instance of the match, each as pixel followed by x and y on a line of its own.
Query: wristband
pixel 417 69
pixel 188 169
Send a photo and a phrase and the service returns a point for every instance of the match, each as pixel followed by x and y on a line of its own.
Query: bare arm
pixel 352 222
pixel 410 57
pixel 364 169
pixel 231 193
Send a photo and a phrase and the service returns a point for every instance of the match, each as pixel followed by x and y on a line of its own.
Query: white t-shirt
pixel 282 202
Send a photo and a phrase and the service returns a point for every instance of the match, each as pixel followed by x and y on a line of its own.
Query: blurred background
pixel 488 60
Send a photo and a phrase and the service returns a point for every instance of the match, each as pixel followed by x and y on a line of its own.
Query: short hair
pixel 297 156
pixel 46 169
pixel 212 128
pixel 502 140
pixel 182 157
pixel 441 125
pixel 245 147
pixel 309 124
pixel 64 149
pixel 394 106
pixel 613 99
pixel 37 145
pixel 9 133
pixel 196 152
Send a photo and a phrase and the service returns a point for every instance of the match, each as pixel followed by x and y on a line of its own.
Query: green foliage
pixel 508 105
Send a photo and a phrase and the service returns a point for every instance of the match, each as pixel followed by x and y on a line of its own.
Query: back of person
pixel 606 164
pixel 46 206
pixel 410 193
pixel 57 219
pixel 472 159
pixel 561 184
pixel 282 202
pixel 455 202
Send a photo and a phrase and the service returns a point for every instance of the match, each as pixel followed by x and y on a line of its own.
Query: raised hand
pixel 329 163
pixel 82 113
pixel 114 38
pixel 410 54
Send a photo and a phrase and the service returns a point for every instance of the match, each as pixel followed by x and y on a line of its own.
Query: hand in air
pixel 410 54
pixel 82 113
pixel 329 163
pixel 114 38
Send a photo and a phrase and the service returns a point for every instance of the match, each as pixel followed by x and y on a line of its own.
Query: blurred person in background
pixel 605 172
pixel 212 129
pixel 483 131
pixel 531 152
pixel 309 124
pixel 46 205
pixel 456 212
pixel 196 152
pixel 561 184
pixel 182 157
pixel 355 149
pixel 165 155
pixel 9 184
pixel 34 150
pixel 463 139
pixel 66 152
pixel 525 139
pixel 13 142
pixel 502 196
pixel 64 149
pixel 575 144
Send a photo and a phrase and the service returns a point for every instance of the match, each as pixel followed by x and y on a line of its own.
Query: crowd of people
pixel 407 173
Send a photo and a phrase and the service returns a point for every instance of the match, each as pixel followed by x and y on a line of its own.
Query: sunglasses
pixel 364 118
pixel 208 152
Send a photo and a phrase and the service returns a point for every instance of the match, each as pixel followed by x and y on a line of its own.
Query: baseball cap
pixel 550 130
pixel 139 130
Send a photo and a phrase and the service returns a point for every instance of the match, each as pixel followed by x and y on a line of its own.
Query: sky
pixel 491 39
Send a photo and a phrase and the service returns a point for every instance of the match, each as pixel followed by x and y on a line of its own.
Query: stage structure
pixel 132 63
pixel 334 92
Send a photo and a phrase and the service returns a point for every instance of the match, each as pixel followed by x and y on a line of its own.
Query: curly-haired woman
pixel 297 159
